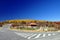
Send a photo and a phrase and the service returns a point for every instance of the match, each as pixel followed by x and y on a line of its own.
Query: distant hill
pixel 25 21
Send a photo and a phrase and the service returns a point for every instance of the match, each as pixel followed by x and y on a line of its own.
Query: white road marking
pixel 28 35
pixel 31 36
pixel 44 35
pixel 49 34
pixel 25 35
pixel 19 34
pixel 37 35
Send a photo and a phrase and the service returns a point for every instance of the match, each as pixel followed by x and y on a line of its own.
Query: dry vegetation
pixel 33 25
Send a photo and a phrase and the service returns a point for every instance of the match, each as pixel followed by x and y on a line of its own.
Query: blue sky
pixel 30 9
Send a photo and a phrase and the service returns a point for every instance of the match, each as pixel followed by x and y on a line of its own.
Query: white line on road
pixel 19 34
pixel 31 36
pixel 28 35
pixel 44 35
pixel 37 35
pixel 25 35
pixel 49 34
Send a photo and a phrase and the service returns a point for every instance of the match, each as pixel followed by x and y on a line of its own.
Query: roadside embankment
pixel 32 30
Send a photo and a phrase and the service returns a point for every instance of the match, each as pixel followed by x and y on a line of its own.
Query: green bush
pixel 28 29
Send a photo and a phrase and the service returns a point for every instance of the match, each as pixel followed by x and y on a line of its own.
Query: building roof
pixel 33 24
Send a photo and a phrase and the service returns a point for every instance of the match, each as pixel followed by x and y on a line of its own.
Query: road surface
pixel 6 34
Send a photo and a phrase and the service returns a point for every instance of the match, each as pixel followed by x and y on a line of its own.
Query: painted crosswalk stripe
pixel 49 34
pixel 34 35
pixel 31 36
pixel 28 35
pixel 43 35
pixel 37 35
pixel 24 34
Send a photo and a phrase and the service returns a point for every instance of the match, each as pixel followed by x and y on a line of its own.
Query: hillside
pixel 33 24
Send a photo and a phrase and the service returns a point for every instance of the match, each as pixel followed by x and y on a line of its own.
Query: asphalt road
pixel 6 34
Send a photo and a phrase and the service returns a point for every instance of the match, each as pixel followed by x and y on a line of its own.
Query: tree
pixel 23 23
